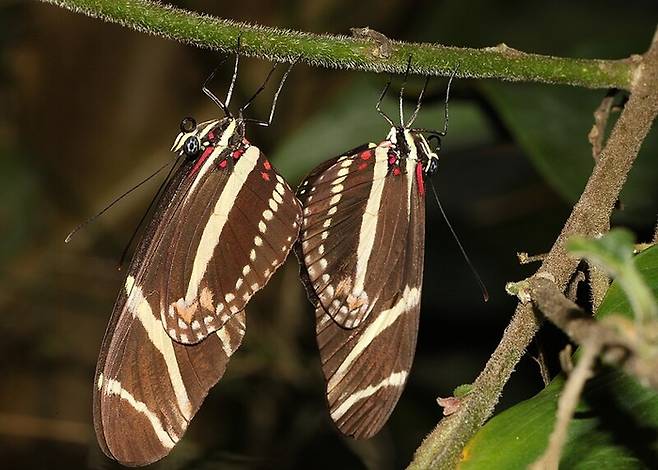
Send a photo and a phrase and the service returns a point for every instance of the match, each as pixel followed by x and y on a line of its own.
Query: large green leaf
pixel 615 426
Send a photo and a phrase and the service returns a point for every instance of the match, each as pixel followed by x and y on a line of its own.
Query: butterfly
pixel 225 222
pixel 361 252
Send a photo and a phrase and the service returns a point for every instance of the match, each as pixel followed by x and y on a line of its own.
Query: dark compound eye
pixel 432 167
pixel 191 146
pixel 188 124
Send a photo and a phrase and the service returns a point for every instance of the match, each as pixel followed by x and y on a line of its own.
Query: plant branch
pixel 443 447
pixel 622 342
pixel 566 406
pixel 343 52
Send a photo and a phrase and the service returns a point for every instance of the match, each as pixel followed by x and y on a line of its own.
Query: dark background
pixel 87 109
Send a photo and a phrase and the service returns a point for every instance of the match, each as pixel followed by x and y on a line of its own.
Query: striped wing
pixel 353 230
pixel 148 386
pixel 366 368
pixel 222 244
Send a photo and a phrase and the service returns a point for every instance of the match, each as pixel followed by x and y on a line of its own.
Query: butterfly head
pixel 412 143
pixel 193 137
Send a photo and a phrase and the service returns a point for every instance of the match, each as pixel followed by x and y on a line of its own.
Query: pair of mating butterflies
pixel 225 222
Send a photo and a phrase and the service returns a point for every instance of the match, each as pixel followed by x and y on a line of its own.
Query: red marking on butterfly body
pixel 419 178
pixel 204 156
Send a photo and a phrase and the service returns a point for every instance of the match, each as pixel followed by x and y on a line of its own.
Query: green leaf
pixel 613 252
pixel 615 426
pixel 551 126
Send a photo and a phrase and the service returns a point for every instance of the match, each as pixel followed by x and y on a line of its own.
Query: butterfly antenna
pixel 154 200
pixel 483 288
pixel 96 216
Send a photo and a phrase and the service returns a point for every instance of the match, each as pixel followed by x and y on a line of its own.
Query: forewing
pixel 353 231
pixel 223 243
pixel 366 368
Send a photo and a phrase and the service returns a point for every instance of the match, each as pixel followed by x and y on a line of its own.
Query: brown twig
pixel 596 136
pixel 567 405
pixel 621 341
pixel 525 258
pixel 443 447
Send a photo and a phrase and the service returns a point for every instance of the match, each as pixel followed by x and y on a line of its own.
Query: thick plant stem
pixel 354 53
pixel 446 445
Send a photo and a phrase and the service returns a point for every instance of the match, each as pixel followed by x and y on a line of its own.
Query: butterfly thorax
pixel 407 144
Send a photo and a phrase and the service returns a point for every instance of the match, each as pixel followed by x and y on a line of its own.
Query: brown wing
pixel 148 387
pixel 222 244
pixel 366 367
pixel 353 231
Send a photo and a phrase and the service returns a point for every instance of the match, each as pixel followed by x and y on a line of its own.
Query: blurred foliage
pixel 88 109
pixel 615 425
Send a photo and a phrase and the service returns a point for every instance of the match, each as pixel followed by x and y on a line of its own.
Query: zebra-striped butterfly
pixel 361 252
pixel 225 222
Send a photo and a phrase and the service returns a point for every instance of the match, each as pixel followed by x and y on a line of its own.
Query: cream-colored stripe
pixel 114 387
pixel 139 307
pixel 225 339
pixel 410 298
pixel 412 160
pixel 215 224
pixel 369 220
pixel 396 379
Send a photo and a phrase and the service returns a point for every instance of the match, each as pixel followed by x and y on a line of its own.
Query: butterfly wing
pixel 366 366
pixel 223 243
pixel 348 241
pixel 149 386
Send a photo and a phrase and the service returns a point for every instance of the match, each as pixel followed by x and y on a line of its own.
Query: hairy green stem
pixel 354 53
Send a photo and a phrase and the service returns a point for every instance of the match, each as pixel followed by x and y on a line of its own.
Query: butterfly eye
pixel 188 124
pixel 432 167
pixel 191 146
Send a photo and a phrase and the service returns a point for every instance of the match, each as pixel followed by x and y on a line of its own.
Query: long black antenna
pixel 117 199
pixel 483 288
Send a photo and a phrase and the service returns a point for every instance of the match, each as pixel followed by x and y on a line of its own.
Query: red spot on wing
pixel 202 159
pixel 362 166
pixel 419 178
pixel 267 165
pixel 211 135
pixel 366 155
pixel 265 175
pixel 396 171
pixel 237 154
pixel 392 159
pixel 223 163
